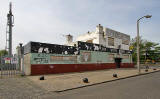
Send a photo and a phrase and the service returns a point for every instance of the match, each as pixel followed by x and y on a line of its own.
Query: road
pixel 140 87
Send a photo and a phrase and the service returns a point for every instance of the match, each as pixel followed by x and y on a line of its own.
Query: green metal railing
pixel 9 70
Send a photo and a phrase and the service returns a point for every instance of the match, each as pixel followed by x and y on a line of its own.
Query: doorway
pixel 118 62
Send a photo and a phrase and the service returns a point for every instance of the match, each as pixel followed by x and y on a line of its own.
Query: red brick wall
pixel 40 69
pixel 127 65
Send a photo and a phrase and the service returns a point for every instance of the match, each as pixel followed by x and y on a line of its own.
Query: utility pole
pixel 10 22
pixel 138 52
pixel 138 58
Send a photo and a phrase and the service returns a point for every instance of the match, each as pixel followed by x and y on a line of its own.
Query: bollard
pixel 154 69
pixel 146 70
pixel 85 80
pixel 115 75
pixel 147 67
pixel 22 74
pixel 41 78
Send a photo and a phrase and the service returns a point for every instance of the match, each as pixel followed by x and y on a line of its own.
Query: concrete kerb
pixel 58 91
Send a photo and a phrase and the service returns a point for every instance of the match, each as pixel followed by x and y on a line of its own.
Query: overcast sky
pixel 48 20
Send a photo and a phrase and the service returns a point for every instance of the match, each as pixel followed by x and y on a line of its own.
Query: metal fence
pixel 9 70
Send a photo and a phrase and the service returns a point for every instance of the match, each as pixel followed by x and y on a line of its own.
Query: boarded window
pixel 89 41
pixel 126 56
pixel 125 40
pixel 111 57
pixel 110 41
pixel 63 58
pixel 86 57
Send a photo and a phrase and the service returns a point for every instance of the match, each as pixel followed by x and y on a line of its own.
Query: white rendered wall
pixel 27 64
pixel 89 36
pixel 100 36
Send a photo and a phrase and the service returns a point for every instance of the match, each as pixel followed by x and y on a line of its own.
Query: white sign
pixel 7 60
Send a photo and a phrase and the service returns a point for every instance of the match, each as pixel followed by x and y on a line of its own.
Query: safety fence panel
pixel 9 70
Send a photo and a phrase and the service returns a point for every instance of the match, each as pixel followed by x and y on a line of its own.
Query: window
pixel 89 41
pixel 110 41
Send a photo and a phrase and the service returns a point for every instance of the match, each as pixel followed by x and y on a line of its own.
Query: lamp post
pixel 138 58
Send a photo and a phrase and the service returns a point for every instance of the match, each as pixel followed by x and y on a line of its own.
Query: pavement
pixel 31 87
pixel 139 87
pixel 69 81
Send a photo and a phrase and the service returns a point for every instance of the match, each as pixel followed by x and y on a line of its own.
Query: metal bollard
pixel 85 80
pixel 146 70
pixel 115 75
pixel 41 78
pixel 154 69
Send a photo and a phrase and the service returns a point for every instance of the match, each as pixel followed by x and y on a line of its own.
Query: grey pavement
pixel 27 88
pixel 19 88
pixel 139 87
pixel 62 82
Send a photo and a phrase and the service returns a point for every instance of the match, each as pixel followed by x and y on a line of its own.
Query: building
pixel 106 37
pixel 102 49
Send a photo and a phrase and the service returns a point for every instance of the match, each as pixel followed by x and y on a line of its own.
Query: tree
pixel 155 54
pixel 148 50
pixel 3 52
pixel 134 50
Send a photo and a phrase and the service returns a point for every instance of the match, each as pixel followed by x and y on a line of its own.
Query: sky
pixel 49 20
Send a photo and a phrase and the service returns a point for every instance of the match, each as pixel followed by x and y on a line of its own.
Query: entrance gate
pixel 10 69
pixel 118 62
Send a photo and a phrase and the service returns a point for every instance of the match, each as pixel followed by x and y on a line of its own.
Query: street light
pixel 138 59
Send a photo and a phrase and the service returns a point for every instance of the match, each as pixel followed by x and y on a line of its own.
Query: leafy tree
pixel 134 50
pixel 3 52
pixel 156 53
pixel 148 50
pixel 157 48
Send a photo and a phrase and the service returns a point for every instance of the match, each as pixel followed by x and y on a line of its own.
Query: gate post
pixel 21 59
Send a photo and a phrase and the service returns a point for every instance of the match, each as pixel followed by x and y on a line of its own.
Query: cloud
pixel 47 20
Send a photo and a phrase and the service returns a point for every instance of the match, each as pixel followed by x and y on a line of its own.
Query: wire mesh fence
pixel 9 70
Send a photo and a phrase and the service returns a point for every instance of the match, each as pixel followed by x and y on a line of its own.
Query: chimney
pixel 69 39
pixel 99 28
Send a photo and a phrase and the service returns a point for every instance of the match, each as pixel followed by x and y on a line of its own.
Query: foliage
pixel 148 50
pixel 3 52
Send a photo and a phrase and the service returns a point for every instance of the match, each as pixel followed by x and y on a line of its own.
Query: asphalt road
pixel 140 87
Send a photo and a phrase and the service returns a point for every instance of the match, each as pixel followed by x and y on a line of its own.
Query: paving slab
pixel 68 81
pixel 31 87
pixel 19 88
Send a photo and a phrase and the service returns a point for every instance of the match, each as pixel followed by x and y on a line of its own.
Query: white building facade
pixel 106 37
